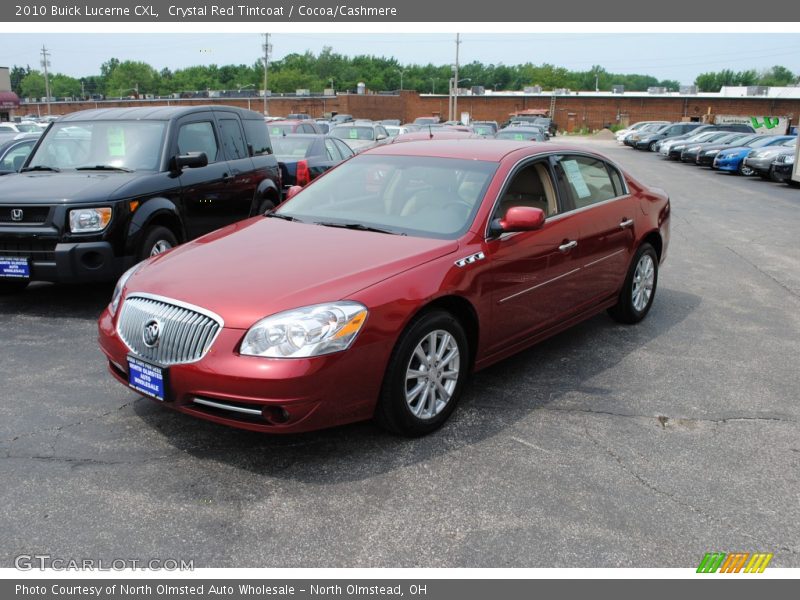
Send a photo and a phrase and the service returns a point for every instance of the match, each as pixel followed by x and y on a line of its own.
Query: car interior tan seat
pixel 530 187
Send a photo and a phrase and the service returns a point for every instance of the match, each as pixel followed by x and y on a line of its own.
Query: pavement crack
pixel 763 272
pixel 664 420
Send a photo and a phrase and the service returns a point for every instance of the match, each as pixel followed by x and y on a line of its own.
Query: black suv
pixel 104 189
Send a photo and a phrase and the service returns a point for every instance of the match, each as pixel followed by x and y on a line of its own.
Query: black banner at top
pixel 393 11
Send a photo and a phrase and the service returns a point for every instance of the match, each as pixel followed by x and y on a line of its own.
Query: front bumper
pixel 50 260
pixel 705 160
pixel 727 164
pixel 276 395
pixel 759 165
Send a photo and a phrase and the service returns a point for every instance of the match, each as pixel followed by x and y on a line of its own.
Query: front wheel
pixel 425 377
pixel 156 241
pixel 653 146
pixel 745 170
pixel 639 290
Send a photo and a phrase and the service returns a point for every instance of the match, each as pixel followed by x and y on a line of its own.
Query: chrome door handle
pixel 626 223
pixel 568 246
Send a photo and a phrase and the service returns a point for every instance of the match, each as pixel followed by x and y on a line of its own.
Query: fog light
pixel 275 414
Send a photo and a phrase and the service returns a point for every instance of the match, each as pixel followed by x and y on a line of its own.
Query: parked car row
pixel 733 148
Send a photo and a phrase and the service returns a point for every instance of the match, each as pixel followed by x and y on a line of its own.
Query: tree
pixel 776 76
pixel 64 86
pixel 131 76
pixel 17 74
pixel 32 85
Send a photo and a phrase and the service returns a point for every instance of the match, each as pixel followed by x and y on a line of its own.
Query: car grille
pixel 186 333
pixel 35 250
pixel 30 214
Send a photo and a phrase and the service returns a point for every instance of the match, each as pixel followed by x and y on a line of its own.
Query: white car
pixel 622 133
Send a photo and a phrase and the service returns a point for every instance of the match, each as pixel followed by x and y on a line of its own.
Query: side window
pixel 232 139
pixel 308 128
pixel 616 179
pixel 198 137
pixel 332 151
pixel 257 136
pixel 530 186
pixel 344 149
pixel 587 180
pixel 381 131
pixel 14 159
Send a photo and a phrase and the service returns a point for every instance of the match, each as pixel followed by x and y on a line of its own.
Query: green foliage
pixel 32 85
pixel 714 81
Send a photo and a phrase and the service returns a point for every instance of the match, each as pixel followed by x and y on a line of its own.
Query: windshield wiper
pixel 358 227
pixel 104 168
pixel 275 215
pixel 40 168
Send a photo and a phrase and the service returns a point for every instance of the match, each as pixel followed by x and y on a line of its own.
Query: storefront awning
pixel 9 100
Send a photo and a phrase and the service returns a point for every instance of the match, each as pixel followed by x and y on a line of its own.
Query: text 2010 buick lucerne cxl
pixel 397 274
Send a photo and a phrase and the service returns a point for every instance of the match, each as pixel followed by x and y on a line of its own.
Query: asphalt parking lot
pixel 608 445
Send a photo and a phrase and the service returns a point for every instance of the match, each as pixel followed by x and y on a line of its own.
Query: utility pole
pixel 455 82
pixel 45 64
pixel 267 50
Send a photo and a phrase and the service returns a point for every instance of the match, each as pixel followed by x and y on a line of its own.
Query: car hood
pixel 262 266
pixel 771 151
pixel 734 149
pixel 74 186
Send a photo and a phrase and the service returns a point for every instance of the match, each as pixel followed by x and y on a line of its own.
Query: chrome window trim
pixel 548 154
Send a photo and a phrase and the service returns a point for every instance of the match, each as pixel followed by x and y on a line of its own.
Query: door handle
pixel 226 177
pixel 566 247
pixel 626 223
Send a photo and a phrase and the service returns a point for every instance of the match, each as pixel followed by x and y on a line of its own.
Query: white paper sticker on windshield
pixel 573 172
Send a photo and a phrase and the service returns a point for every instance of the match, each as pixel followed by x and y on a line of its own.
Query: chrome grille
pixel 186 332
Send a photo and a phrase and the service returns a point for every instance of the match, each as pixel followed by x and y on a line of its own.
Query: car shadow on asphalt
pixel 495 399
pixel 85 301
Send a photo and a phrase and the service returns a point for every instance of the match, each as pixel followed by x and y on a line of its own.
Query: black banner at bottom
pixel 732 587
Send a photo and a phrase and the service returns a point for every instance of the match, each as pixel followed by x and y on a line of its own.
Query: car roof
pixel 152 113
pixel 468 148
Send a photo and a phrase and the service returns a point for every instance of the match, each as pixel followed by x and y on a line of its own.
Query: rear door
pixel 605 213
pixel 243 181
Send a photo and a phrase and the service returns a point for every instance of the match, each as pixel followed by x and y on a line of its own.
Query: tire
pixel 157 240
pixel 12 286
pixel 400 409
pixel 267 204
pixel 634 302
pixel 745 170
pixel 652 146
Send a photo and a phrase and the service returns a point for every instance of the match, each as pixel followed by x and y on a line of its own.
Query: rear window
pixel 353 133
pixel 294 147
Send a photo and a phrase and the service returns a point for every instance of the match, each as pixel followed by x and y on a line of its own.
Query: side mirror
pixel 518 218
pixel 380 137
pixel 293 191
pixel 192 160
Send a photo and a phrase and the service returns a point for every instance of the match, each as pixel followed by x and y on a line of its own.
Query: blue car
pixel 732 159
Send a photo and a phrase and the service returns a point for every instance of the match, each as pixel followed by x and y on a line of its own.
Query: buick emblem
pixel 151 333
pixel 17 214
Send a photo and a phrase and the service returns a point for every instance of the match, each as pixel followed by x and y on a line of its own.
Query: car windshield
pixel 413 195
pixel 123 145
pixel 28 128
pixel 353 133
pixel 790 143
pixel 279 130
pixel 517 133
pixel 766 141
pixel 483 129
pixel 291 147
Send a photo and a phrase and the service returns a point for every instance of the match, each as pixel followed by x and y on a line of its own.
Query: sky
pixel 673 56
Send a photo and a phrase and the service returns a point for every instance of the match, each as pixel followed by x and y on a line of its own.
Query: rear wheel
pixel 639 290
pixel 425 377
pixel 267 204
pixel 13 286
pixel 156 241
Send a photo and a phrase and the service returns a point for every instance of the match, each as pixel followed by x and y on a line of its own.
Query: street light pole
pixel 455 80
pixel 45 64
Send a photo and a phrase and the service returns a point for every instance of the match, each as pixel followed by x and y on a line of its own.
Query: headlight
pixel 84 220
pixel 789 160
pixel 710 152
pixel 115 297
pixel 308 331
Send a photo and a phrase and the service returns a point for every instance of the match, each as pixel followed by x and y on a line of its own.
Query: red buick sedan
pixel 376 290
